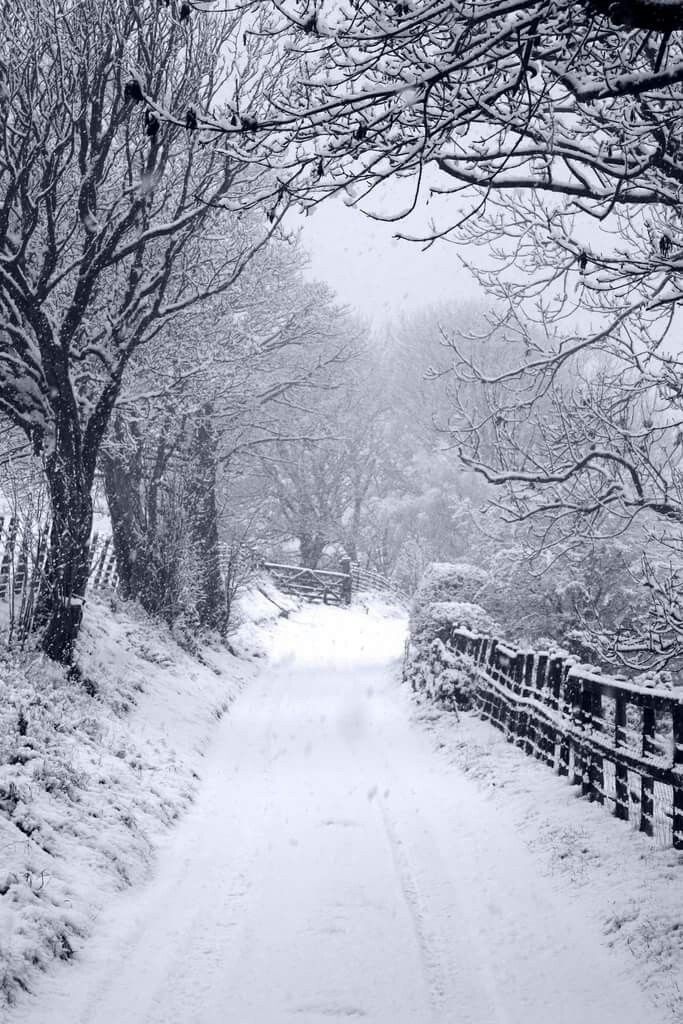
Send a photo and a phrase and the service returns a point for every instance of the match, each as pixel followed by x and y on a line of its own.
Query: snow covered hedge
pixel 444 599
pixel 443 581
pixel 432 620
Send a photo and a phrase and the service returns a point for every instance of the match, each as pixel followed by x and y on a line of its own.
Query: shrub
pixel 432 620
pixel 444 599
pixel 443 581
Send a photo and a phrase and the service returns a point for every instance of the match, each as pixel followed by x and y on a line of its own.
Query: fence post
pixel 529 714
pixel 345 567
pixel 8 558
pixel 489 667
pixel 586 766
pixel 555 665
pixel 101 560
pixel 677 715
pixel 597 768
pixel 544 743
pixel 621 805
pixel 575 691
pixel 514 720
pixel 564 710
pixel 647 785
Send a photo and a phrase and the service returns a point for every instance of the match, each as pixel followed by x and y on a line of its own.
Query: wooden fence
pixel 23 553
pixel 312 584
pixel 368 579
pixel 324 584
pixel 621 743
pixel 103 572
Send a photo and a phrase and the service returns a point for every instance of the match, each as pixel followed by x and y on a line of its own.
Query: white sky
pixel 376 274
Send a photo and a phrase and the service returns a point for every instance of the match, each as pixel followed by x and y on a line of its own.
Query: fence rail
pixel 312 584
pixel 621 743
pixel 23 554
pixel 368 579
pixel 326 585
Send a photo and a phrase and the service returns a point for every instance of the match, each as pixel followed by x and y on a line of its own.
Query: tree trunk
pixel 311 547
pixel 68 562
pixel 211 603
pixel 122 490
pixel 145 527
pixel 354 529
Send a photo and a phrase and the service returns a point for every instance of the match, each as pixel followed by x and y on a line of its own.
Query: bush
pixel 430 620
pixel 443 581
pixel 444 599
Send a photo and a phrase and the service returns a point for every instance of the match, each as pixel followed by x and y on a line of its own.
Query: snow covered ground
pixel 93 770
pixel 339 864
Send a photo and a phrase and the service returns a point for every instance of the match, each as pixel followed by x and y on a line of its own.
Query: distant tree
pixel 557 129
pixel 308 494
pixel 191 416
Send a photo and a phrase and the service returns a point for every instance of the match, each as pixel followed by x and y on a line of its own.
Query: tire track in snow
pixel 430 961
pixel 457 971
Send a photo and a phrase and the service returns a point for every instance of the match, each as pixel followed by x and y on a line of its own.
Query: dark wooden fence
pixel 621 743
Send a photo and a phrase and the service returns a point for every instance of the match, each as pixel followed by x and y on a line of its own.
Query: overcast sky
pixel 371 271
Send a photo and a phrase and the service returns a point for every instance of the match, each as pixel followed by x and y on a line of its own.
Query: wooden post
pixel 586 702
pixel 544 740
pixel 621 805
pixel 506 710
pixel 490 667
pixel 574 692
pixel 555 666
pixel 21 571
pixel 597 768
pixel 8 558
pixel 677 715
pixel 108 575
pixel 347 585
pixel 564 709
pixel 647 785
pixel 529 714
pixel 102 558
pixel 517 675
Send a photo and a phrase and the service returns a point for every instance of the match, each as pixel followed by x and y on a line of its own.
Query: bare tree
pixel 190 415
pixel 570 98
pixel 101 209
pixel 556 131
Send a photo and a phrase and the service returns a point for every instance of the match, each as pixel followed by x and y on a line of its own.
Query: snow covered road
pixel 334 868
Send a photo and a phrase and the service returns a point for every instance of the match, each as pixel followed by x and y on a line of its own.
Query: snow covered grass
pixel 259 607
pixel 382 606
pixel 635 890
pixel 94 768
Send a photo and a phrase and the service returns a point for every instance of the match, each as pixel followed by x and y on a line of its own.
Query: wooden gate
pixel 312 584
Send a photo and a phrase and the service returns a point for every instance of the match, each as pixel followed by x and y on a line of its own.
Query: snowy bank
pixel 631 889
pixel 94 769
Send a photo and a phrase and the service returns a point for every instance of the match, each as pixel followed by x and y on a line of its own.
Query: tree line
pixel 151 156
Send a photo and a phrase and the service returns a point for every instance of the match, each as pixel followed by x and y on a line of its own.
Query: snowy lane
pixel 333 868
